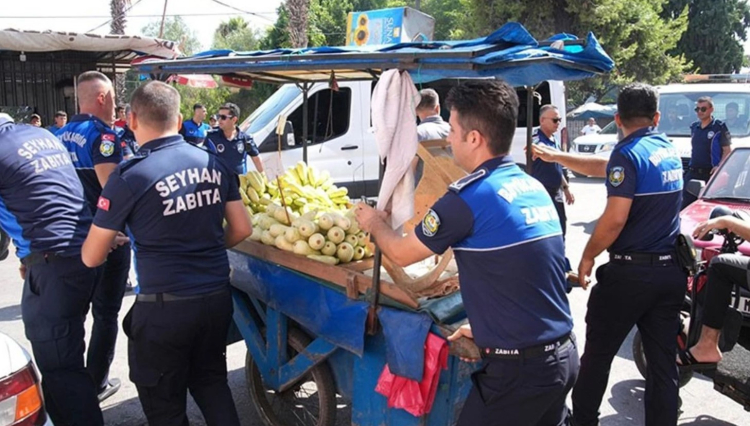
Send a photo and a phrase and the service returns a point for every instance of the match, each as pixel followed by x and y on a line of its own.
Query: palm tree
pixel 298 11
pixel 234 24
pixel 117 9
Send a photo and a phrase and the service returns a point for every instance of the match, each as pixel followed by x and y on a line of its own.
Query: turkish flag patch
pixel 103 204
pixel 108 137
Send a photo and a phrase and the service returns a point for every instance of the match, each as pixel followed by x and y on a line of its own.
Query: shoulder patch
pixel 107 147
pixel 616 176
pixel 108 137
pixel 465 181
pixel 430 223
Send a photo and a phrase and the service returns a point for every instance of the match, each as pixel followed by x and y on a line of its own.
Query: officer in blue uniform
pixel 550 174
pixel 642 284
pixel 195 130
pixel 178 325
pixel 711 143
pixel 507 240
pixel 96 150
pixel 127 138
pixel 43 209
pixel 232 144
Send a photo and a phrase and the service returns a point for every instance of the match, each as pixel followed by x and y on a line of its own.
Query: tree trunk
pixel 298 11
pixel 117 26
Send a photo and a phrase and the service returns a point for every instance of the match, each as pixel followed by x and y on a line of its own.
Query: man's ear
pixel 618 122
pixel 657 118
pixel 133 119
pixel 179 121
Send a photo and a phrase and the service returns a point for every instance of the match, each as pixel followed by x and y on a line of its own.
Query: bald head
pixel 155 107
pixel 96 96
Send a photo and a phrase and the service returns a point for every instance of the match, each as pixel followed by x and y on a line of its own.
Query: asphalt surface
pixel 622 405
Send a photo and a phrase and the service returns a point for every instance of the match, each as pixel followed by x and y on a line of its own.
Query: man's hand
pixel 22 271
pixel 584 271
pixel 704 228
pixel 120 240
pixel 463 332
pixel 569 198
pixel 713 169
pixel 368 216
pixel 544 153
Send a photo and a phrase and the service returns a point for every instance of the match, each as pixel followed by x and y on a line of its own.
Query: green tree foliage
pixel 633 32
pixel 175 29
pixel 236 34
pixel 716 29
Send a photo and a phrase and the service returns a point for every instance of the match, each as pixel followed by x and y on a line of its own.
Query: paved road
pixel 623 402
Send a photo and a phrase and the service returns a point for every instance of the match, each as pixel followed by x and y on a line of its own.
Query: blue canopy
pixel 510 53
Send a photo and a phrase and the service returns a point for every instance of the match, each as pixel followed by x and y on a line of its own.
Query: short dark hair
pixel 93 75
pixel 120 108
pixel 232 108
pixel 198 106
pixel 733 105
pixel 61 114
pixel 706 99
pixel 637 101
pixel 488 106
pixel 156 104
pixel 430 99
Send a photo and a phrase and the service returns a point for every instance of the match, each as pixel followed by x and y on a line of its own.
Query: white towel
pixel 394 101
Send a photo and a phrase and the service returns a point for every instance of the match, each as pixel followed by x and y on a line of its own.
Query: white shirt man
pixel 590 128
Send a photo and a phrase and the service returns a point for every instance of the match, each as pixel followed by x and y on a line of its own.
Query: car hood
pixel 595 139
pixel 12 356
pixel 700 211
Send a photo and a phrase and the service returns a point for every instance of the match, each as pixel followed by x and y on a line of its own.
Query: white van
pixel 682 97
pixel 340 137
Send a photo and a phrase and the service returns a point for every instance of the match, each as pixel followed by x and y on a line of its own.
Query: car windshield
pixel 731 181
pixel 270 109
pixel 677 111
pixel 609 129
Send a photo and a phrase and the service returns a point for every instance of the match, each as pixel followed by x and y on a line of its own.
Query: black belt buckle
pixel 530 352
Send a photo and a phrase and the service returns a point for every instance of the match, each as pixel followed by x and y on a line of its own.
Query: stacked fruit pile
pixel 302 188
pixel 316 221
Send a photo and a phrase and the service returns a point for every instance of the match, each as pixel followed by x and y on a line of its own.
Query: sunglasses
pixel 701 109
pixel 556 120
pixel 225 117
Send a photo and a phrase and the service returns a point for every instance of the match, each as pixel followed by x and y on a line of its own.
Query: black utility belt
pixel 530 352
pixel 37 258
pixel 169 297
pixel 643 259
pixel 701 170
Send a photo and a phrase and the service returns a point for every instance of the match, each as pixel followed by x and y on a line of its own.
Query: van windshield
pixel 677 111
pixel 270 109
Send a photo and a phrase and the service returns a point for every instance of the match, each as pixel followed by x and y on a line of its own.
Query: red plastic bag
pixel 416 397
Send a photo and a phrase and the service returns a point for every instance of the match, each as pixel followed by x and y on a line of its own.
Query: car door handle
pixel 349 147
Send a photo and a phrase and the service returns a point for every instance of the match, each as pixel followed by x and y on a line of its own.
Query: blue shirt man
pixel 42 208
pixel 90 142
pixel 231 144
pixel 178 324
pixel 508 245
pixel 642 285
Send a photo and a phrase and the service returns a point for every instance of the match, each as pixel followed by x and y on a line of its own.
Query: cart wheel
pixel 309 402
pixel 639 356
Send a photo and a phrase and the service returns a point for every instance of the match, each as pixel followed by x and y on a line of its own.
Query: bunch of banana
pixel 329 237
pixel 302 188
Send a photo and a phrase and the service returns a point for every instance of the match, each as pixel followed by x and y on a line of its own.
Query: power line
pixel 240 10
pixel 171 15
pixel 112 19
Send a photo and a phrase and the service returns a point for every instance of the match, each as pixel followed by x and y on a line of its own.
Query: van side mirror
pixel 695 187
pixel 288 136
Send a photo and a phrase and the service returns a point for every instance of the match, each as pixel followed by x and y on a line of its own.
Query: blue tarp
pixel 510 53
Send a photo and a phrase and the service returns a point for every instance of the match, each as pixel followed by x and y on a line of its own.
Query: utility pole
pixel 163 17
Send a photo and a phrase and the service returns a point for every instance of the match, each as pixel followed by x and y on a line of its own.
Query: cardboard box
pixel 388 26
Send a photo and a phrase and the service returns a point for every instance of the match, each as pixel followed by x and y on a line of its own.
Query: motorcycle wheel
pixel 639 356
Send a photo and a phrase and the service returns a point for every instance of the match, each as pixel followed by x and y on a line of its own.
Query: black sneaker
pixel 113 385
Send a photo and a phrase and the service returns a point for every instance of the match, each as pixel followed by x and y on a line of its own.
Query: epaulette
pixel 465 181
pixel 137 158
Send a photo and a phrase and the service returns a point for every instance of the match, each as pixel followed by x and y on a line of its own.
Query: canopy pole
pixel 305 87
pixel 372 318
pixel 529 126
